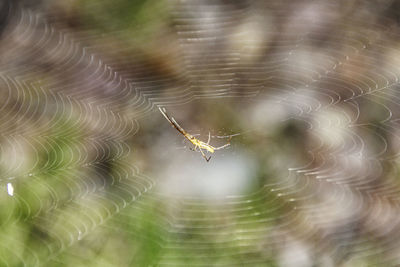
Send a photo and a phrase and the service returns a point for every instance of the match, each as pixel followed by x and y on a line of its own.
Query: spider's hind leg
pixel 204 156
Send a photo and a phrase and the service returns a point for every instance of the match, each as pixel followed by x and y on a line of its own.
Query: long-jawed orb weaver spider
pixel 197 143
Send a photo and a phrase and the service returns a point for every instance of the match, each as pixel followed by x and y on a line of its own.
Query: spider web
pixel 92 174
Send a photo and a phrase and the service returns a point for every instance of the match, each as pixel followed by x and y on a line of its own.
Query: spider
pixel 197 143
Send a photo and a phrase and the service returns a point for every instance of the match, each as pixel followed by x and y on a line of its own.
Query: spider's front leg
pixel 227 144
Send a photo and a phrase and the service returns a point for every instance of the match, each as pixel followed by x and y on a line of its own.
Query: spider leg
pixel 227 144
pixel 193 149
pixel 209 136
pixel 204 156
